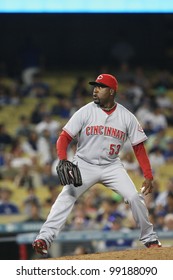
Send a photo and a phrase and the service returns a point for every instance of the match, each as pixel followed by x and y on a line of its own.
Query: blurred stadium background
pixel 45 56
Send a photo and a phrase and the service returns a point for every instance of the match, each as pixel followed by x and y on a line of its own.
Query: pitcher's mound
pixel 133 254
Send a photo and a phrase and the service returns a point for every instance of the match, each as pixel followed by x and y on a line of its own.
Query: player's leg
pixel 119 181
pixel 64 205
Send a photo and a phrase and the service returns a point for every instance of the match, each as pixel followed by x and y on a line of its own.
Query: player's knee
pixel 133 198
pixel 67 194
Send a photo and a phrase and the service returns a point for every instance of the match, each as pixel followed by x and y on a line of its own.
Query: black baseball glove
pixel 69 173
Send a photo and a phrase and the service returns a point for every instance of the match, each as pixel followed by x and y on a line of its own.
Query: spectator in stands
pixel 38 113
pixel 2 158
pixel 27 177
pixel 168 153
pixel 17 155
pixel 158 120
pixel 7 207
pixel 15 93
pixel 24 178
pixel 5 137
pixel 54 192
pixel 45 147
pixel 48 123
pixel 169 203
pixel 30 144
pixel 162 78
pixel 80 220
pixel 34 213
pixel 168 222
pixel 169 116
pixel 153 116
pixel 38 88
pixel 158 140
pixel 10 90
pixel 108 208
pixel 7 172
pixel 91 200
pixel 159 220
pixel 134 94
pixel 130 163
pixel 123 100
pixel 4 96
pixel 141 79
pixel 31 197
pixel 56 107
pixel 116 224
pixel 79 91
pixel 143 113
pixel 62 107
pixel 125 73
pixel 47 178
pixel 25 127
pixel 162 100
pixel 161 199
pixel 156 158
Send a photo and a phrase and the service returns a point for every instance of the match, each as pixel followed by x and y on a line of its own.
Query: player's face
pixel 101 96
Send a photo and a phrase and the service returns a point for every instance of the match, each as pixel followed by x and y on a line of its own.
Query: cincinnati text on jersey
pixel 106 130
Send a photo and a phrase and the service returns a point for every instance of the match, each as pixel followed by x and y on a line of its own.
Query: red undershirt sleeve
pixel 143 160
pixel 62 143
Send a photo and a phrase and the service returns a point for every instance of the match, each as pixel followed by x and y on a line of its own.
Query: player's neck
pixel 109 108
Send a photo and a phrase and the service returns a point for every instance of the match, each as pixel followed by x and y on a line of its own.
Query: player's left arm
pixel 142 157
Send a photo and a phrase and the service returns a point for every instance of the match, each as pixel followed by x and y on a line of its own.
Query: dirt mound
pixel 133 254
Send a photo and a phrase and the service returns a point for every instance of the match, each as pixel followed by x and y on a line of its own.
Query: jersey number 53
pixel 114 149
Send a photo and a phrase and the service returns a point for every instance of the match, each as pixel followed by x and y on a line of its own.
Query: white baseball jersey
pixel 101 136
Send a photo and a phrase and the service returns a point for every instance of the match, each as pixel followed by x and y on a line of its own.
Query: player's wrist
pixel 149 177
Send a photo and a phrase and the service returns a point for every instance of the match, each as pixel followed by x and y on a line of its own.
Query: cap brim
pixel 97 84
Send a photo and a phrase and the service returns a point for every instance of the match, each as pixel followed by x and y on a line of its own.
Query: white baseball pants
pixel 113 176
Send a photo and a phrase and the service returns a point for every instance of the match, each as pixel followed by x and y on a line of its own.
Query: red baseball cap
pixel 106 80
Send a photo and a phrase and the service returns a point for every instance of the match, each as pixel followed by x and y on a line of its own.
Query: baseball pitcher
pixel 101 128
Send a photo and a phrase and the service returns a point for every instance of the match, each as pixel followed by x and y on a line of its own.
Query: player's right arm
pixel 62 143
pixel 70 130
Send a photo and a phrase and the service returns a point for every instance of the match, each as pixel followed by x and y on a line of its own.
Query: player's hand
pixel 69 173
pixel 147 186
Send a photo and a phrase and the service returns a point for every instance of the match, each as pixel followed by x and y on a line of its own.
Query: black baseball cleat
pixel 40 247
pixel 153 244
